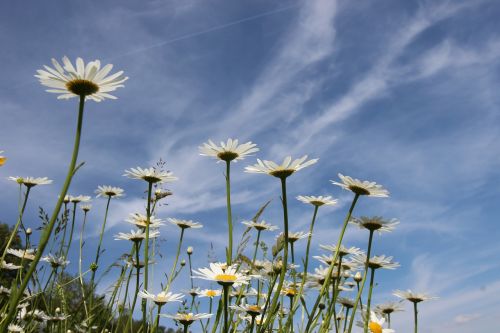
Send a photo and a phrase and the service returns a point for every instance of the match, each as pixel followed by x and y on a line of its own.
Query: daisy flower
pixel 88 80
pixel 252 310
pixel 389 307
pixel 413 297
pixel 209 293
pixel 295 236
pixel 9 266
pixel 375 324
pixel 346 302
pixel 375 223
pixel 228 151
pixel 141 220
pixel 136 236
pixel 282 171
pixel 2 158
pixel 185 224
pixel 13 328
pixel 343 251
pixel 151 175
pixel 359 187
pixel 187 318
pixel 376 262
pixel 31 181
pixel 317 201
pixel 79 198
pixel 28 254
pixel 262 225
pixel 222 274
pixel 86 208
pixel 109 191
pixel 161 298
pixel 55 261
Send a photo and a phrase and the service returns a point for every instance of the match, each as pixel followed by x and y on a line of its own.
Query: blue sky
pixel 400 92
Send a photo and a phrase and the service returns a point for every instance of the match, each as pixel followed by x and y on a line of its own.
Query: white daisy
pixel 375 324
pixel 389 307
pixel 262 225
pixel 222 274
pixel 343 251
pixel 28 254
pixel 317 200
pixel 88 80
pixel 141 220
pixel 9 266
pixel 346 302
pixel 359 187
pixel 376 262
pixel 209 293
pixel 136 236
pixel 79 198
pixel 185 224
pixel 375 223
pixel 252 310
pixel 295 236
pixel 13 328
pixel 55 261
pixel 228 151
pixel 162 297
pixel 31 181
pixel 86 208
pixel 187 318
pixel 413 297
pixel 109 191
pixel 151 175
pixel 280 171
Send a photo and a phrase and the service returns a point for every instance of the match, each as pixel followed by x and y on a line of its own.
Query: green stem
pixel 172 271
pixel 369 301
pixel 415 312
pixel 71 232
pixel 157 322
pixel 229 215
pixel 358 297
pixel 80 267
pixel 138 274
pixel 186 328
pixel 345 320
pixel 274 303
pixel 226 298
pixel 45 237
pixel 324 288
pixel 146 257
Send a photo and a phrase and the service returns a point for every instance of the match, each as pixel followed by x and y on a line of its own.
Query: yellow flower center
pixel 82 87
pixel 375 327
pixel 253 309
pixel 211 293
pixel 2 160
pixel 225 278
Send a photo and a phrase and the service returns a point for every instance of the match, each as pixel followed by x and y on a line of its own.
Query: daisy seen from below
pixel 376 223
pixel 31 181
pixel 284 170
pixel 375 324
pixel 376 262
pixel 414 298
pixel 141 220
pixel 260 226
pixel 28 254
pixel 222 274
pixel 91 80
pixel 9 266
pixel 79 198
pixel 209 293
pixel 358 187
pixel 161 298
pixel 317 200
pixel 187 319
pixel 185 224
pixel 55 261
pixel 343 250
pixel 150 175
pixel 109 191
pixel 3 159
pixel 386 309
pixel 230 151
pixel 136 235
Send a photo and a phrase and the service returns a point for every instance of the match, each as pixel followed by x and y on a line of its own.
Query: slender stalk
pixel 415 312
pixel 45 237
pixel 186 328
pixel 388 320
pixel 346 316
pixel 146 257
pixel 172 271
pixel 226 298
pixel 80 275
pixel 332 265
pixel 274 303
pixel 95 264
pixel 369 301
pixel 71 231
pixel 157 322
pixel 138 273
pixel 229 214
pixel 358 297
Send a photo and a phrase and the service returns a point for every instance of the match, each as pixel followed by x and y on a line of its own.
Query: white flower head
pixel 283 170
pixel 90 81
pixel 209 293
pixel 376 262
pixel 375 324
pixel 2 158
pixel 229 151
pixel 359 187
pixel 343 250
pixel 185 224
pixel 28 254
pixel 55 261
pixel 151 175
pixel 109 191
pixel 9 266
pixel 137 235
pixel 222 274
pixel 187 318
pixel 161 298
pixel 317 200
pixel 413 297
pixel 141 220
pixel 376 223
pixel 262 225
pixel 79 198
pixel 31 181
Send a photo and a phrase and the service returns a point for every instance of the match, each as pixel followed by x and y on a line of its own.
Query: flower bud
pixel 29 231
pixel 183 262
pixel 93 267
pixel 189 250
pixel 321 306
pixel 58 310
pixel 358 277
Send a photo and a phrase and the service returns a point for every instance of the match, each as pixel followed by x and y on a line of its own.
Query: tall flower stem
pixel 172 271
pixel 71 231
pixel 157 321
pixel 358 297
pixel 226 299
pixel 80 275
pixel 45 237
pixel 95 264
pixel 229 214
pixel 18 223
pixel 137 281
pixel 146 257
pixel 324 288
pixel 369 300
pixel 284 266
pixel 415 312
